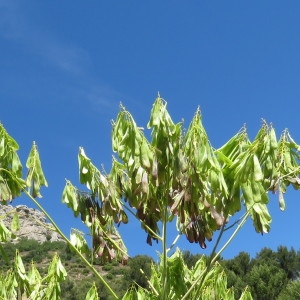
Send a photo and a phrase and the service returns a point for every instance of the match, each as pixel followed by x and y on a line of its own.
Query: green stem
pixel 232 236
pixel 213 257
pixel 164 256
pixel 73 247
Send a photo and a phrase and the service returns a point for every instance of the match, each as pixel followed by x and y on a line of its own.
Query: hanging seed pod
pixel 281 200
pixel 145 185
pixel 182 162
pixel 273 139
pixel 124 217
pixel 218 218
pixel 145 155
pixel 154 172
pixel 258 175
pixel 190 234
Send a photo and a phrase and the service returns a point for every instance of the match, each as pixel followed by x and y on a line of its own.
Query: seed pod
pixel 136 146
pixel 218 218
pixel 182 214
pixel 182 162
pixel 268 167
pixel 149 240
pixel 267 144
pixel 145 155
pixel 208 234
pixel 145 185
pixel 229 148
pixel 256 192
pixel 154 169
pixel 116 218
pixel 245 171
pixel 140 213
pixel 281 200
pixel 214 180
pixel 187 196
pixel 273 140
pixel 247 193
pixel 124 217
pixel 139 175
pixel 190 235
pixel 206 203
pixel 155 114
pixel 287 160
pixel 258 175
pixel 201 241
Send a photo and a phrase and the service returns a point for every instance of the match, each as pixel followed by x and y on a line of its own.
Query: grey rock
pixel 33 223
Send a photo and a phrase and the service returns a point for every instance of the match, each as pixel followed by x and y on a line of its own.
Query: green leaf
pixel 34 276
pixel 92 293
pixel 19 267
pixel 69 196
pixel 5 234
pixel 15 224
pixel 56 271
pixel 78 241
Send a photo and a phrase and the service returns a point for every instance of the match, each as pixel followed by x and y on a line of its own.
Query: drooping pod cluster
pixel 11 182
pixel 252 169
pixel 178 174
pixel 99 209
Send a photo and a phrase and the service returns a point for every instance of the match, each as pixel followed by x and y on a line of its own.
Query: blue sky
pixel 65 67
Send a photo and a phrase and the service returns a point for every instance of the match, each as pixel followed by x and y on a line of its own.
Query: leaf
pixel 34 276
pixel 15 224
pixel 19 266
pixel 69 196
pixel 5 234
pixel 78 241
pixel 92 293
pixel 60 270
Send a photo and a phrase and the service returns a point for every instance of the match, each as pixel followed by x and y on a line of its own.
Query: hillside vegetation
pixel 80 278
pixel 270 275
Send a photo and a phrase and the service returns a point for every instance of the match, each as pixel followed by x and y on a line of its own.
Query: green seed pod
pixel 273 139
pixel 258 175
pixel 247 193
pixel 124 217
pixel 145 155
pixel 243 172
pixel 214 180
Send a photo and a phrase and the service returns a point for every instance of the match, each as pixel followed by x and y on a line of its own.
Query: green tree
pixel 175 178
pixel 190 259
pixel 240 265
pixel 139 271
pixel 266 281
pixel 289 261
pixel 291 291
pixel 237 270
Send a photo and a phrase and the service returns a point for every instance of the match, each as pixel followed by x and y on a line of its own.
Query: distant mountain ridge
pixel 33 223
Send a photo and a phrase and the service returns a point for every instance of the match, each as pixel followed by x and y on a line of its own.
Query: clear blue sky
pixel 66 65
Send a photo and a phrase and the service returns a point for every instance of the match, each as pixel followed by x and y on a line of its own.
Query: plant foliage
pixel 176 177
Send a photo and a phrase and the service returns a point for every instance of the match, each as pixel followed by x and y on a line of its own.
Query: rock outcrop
pixel 33 223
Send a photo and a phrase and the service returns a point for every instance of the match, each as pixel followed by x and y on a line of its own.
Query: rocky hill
pixel 33 223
